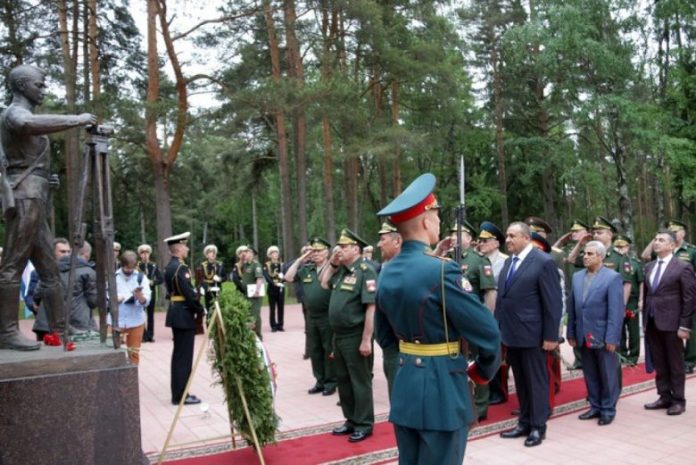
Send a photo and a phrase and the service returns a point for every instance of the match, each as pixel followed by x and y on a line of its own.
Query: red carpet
pixel 320 448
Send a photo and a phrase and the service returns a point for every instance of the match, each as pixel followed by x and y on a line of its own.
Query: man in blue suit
pixel 427 313
pixel 528 309
pixel 595 319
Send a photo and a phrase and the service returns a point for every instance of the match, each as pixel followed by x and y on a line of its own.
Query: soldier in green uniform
pixel 541 227
pixel 569 243
pixel 479 280
pixel 423 308
pixel 389 245
pixel 686 252
pixel 183 307
pixel 316 300
pixel 252 274
pixel 630 333
pixel 351 314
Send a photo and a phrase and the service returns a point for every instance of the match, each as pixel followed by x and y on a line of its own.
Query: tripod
pixel 95 164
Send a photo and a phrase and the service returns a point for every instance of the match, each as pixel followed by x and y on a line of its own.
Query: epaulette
pixel 556 249
pixel 430 253
pixel 364 266
pixel 478 253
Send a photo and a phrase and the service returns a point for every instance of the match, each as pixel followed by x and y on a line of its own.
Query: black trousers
pixel 276 307
pixel 182 361
pixel 532 383
pixel 149 334
pixel 667 351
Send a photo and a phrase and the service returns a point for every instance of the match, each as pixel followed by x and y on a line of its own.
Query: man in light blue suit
pixel 595 317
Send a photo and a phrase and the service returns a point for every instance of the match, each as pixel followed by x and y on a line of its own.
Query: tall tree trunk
pixel 329 28
pixel 396 165
pixel 351 167
pixel 279 116
pixel 93 53
pixel 69 47
pixel 299 121
pixel 498 105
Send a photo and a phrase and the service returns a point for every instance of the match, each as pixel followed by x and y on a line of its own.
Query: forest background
pixel 319 112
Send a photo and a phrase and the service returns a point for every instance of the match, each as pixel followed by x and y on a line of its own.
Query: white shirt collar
pixel 522 255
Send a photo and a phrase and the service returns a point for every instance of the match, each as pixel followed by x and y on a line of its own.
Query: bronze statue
pixel 26 167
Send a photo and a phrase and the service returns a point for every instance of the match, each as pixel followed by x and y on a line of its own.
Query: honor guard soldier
pixel 306 271
pixel 181 316
pixel 209 277
pixel 252 275
pixel 630 333
pixel 351 315
pixel 154 277
pixel 423 307
pixel 273 272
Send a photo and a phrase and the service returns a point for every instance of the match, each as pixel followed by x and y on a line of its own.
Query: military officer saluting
pixel 422 307
pixel 351 315
pixel 183 308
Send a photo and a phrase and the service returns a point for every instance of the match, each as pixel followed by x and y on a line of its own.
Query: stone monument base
pixel 69 408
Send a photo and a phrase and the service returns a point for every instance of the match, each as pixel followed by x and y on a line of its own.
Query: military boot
pixel 10 336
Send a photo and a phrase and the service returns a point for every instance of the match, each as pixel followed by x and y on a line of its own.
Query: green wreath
pixel 238 357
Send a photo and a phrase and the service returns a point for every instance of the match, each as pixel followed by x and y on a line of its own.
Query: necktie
pixel 511 271
pixel 656 281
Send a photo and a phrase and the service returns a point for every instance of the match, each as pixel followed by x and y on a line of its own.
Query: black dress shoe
pixel 658 404
pixel 329 391
pixel 516 432
pixel 273 330
pixel 535 437
pixel 190 400
pixel 482 418
pixel 605 420
pixel 281 330
pixel 359 436
pixel 590 414
pixel 316 390
pixel 676 409
pixel 343 430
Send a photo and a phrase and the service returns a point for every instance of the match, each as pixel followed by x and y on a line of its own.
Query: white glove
pixel 217 278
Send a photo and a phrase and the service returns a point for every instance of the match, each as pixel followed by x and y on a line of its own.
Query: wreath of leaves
pixel 239 357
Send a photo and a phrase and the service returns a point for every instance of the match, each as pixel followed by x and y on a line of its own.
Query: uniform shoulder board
pixel 478 253
pixel 429 253
pixel 364 266
pixel 556 249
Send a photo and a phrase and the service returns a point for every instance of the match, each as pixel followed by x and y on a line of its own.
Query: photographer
pixel 133 289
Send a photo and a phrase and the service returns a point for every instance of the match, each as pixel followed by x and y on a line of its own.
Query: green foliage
pixel 239 363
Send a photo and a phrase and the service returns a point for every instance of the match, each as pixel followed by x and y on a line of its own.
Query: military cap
pixel 387 227
pixel 621 241
pixel 348 237
pixel 540 242
pixel 675 225
pixel 240 249
pixel 117 246
pixel 491 231
pixel 144 248
pixel 271 249
pixel 178 239
pixel 537 224
pixel 251 247
pixel 417 198
pixel 210 248
pixel 602 223
pixel 466 226
pixel 579 225
pixel 317 243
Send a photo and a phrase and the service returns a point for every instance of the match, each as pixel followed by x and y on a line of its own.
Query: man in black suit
pixel 670 296
pixel 528 309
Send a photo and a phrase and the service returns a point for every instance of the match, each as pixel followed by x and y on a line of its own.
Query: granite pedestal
pixel 69 408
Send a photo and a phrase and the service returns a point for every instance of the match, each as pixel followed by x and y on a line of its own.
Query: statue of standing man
pixel 27 163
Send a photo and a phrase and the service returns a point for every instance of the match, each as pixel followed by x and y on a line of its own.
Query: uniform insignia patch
pixel 307 279
pixel 465 267
pixel 350 280
pixel 627 267
pixel 610 265
pixel 488 270
pixel 363 266
pixel 466 285
pixel 371 285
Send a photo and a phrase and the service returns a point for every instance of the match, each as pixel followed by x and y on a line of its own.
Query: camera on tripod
pixel 102 130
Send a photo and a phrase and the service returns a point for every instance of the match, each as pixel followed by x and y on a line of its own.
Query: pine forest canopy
pixel 323 110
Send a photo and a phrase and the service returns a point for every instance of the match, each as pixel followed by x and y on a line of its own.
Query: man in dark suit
pixel 595 320
pixel 528 310
pixel 670 295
